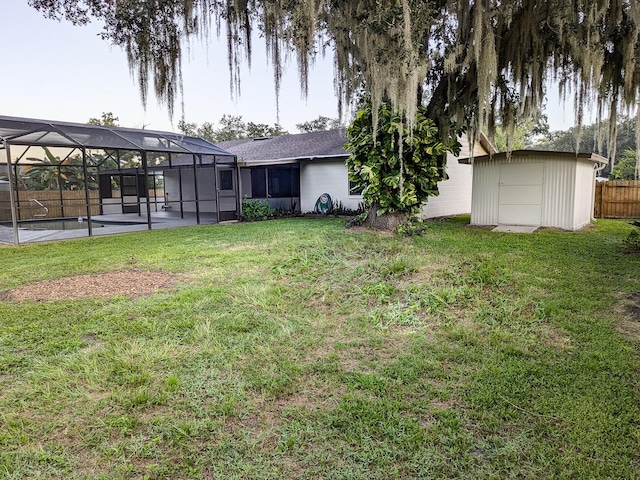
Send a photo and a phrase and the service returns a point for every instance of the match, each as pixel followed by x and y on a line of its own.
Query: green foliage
pixel 626 168
pixel 396 177
pixel 414 227
pixel 231 128
pixel 523 136
pixel 53 173
pixel 470 61
pixel 633 239
pixel 107 119
pixel 565 140
pixel 256 210
pixel 319 124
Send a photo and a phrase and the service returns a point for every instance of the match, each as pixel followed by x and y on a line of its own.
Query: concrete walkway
pixel 515 228
pixel 110 224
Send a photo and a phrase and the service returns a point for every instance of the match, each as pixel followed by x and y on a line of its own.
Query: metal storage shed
pixel 68 180
pixel 534 188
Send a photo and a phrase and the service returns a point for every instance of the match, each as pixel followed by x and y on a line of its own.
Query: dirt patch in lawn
pixel 630 326
pixel 129 283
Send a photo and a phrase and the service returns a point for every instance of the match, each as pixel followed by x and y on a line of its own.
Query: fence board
pixel 68 204
pixel 71 203
pixel 617 199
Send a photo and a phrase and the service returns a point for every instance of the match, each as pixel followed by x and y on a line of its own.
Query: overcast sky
pixel 57 71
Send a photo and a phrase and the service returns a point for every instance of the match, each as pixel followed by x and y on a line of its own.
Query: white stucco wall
pixel 325 176
pixel 206 190
pixel 455 192
pixel 330 176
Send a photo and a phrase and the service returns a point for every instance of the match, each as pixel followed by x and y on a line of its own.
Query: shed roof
pixel 583 156
pixel 48 133
pixel 290 148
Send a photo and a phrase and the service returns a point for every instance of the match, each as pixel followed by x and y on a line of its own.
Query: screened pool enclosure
pixel 64 180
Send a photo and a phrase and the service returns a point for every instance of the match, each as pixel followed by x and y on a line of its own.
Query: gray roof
pixel 48 133
pixel 583 156
pixel 289 148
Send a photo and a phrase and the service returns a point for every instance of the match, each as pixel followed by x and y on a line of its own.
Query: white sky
pixel 56 71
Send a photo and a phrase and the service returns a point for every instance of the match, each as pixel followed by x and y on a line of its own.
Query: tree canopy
pixel 232 127
pixel 319 124
pixel 592 138
pixel 476 63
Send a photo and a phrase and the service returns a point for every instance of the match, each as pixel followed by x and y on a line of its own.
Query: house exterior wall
pixel 325 176
pixel 455 192
pixel 206 190
pixel 567 189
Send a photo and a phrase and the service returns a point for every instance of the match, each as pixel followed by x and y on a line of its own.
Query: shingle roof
pixel 329 143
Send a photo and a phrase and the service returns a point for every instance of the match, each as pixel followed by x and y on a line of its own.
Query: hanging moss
pixel 478 63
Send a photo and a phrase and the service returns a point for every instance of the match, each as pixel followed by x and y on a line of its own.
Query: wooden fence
pixel 72 203
pixel 68 203
pixel 617 199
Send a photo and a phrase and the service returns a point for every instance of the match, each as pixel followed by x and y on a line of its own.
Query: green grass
pixel 294 349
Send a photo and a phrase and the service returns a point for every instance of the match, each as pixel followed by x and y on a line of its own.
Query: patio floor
pixel 115 223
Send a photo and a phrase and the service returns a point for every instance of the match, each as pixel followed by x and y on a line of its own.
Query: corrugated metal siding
pixel 455 192
pixel 485 193
pixel 566 195
pixel 558 193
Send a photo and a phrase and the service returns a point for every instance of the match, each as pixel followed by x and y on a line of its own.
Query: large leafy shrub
pixel 398 169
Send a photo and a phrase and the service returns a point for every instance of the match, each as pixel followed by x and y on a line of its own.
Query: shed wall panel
pixel 522 173
pixel 559 193
pixel 485 194
pixel 520 195
pixel 566 193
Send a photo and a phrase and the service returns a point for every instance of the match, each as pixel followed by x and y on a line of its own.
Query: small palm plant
pixel 633 239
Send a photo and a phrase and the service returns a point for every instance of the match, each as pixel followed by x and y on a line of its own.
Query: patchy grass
pixel 294 349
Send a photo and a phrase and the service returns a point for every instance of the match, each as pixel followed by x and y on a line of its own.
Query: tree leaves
pixel 374 163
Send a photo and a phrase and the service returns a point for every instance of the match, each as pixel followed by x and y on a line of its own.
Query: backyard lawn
pixel 295 349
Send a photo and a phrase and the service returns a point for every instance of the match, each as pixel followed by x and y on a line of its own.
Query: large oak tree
pixel 475 63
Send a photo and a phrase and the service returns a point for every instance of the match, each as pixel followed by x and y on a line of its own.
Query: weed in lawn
pixel 492 358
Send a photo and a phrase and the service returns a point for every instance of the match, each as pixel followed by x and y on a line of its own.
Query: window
pixel 259 182
pixel 353 190
pixel 275 182
pixel 226 179
pixel 284 181
pixel 129 185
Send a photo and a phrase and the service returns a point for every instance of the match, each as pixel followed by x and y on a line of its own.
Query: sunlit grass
pixel 294 349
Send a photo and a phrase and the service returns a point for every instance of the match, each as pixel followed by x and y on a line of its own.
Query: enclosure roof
pixel 583 156
pixel 47 133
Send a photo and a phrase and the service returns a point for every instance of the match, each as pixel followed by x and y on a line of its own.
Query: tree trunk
pixel 387 221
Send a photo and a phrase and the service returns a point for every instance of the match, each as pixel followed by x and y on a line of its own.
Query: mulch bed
pixel 129 283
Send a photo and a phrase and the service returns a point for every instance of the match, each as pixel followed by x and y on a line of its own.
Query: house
pixel 535 188
pixel 292 171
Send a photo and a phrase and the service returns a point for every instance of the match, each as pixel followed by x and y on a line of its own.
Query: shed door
pixel 521 193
